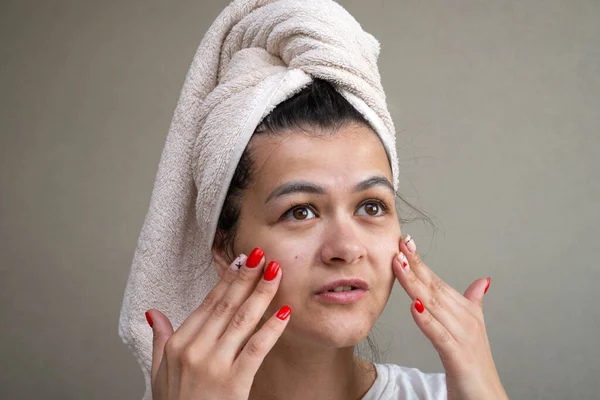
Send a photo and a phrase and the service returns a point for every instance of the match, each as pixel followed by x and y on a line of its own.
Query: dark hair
pixel 316 109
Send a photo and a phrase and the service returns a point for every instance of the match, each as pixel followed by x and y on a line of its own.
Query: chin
pixel 332 332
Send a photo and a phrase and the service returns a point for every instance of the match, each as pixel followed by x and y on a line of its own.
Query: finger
pixel 438 335
pixel 176 342
pixel 248 316
pixel 425 274
pixel 477 290
pixel 162 330
pixel 259 345
pixel 194 322
pixel 237 293
pixel 442 306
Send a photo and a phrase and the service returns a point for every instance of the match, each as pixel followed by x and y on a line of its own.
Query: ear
pixel 221 260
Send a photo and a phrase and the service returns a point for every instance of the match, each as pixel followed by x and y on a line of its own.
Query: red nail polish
pixel 254 258
pixel 284 312
pixel 487 286
pixel 271 271
pixel 419 306
pixel 149 319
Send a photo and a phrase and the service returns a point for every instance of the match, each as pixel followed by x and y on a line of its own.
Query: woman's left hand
pixel 453 323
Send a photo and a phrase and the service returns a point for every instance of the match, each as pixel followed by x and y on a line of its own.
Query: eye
pixel 299 213
pixel 372 208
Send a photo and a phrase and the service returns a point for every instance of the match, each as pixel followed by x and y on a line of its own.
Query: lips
pixel 354 282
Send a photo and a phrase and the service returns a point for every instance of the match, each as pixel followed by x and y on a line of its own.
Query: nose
pixel 342 243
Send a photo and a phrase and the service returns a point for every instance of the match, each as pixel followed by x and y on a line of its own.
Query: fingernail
pixel 488 285
pixel 283 313
pixel 410 244
pixel 238 262
pixel 419 306
pixel 271 271
pixel 254 258
pixel 403 261
pixel 149 319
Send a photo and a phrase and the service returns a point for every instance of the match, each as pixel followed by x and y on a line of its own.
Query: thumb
pixel 476 291
pixel 161 332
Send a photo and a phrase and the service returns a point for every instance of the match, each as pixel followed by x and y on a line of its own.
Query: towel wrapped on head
pixel 257 54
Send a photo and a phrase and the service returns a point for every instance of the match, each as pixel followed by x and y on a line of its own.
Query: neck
pixel 293 371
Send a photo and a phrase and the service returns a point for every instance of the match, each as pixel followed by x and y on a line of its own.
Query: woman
pixel 312 204
pixel 306 241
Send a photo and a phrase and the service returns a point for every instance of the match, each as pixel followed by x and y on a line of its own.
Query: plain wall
pixel 496 105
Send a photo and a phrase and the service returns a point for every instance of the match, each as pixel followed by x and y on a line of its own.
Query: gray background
pixel 496 105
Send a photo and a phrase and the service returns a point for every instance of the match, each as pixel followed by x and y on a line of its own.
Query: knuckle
pixel 254 348
pixel 413 278
pixel 473 324
pixel 209 302
pixel 173 347
pixel 241 319
pixel 435 303
pixel 444 337
pixel 264 290
pixel 189 358
pixel 230 275
pixel 272 328
pixel 427 320
pixel 417 261
pixel 437 285
pixel 223 308
pixel 245 277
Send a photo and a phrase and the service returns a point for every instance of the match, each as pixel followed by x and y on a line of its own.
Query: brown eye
pixel 300 213
pixel 372 208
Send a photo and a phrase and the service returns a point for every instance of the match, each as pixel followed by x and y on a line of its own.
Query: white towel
pixel 257 54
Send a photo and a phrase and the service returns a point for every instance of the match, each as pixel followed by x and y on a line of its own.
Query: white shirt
pixel 403 383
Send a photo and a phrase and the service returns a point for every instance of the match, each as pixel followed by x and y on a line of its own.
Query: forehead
pixel 336 160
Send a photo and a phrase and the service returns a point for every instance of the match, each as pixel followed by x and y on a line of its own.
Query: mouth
pixel 343 285
pixel 342 291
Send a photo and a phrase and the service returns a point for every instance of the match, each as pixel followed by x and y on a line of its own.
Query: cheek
pixel 287 250
pixel 293 255
pixel 383 249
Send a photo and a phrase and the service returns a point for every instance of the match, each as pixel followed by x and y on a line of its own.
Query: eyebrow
pixel 312 188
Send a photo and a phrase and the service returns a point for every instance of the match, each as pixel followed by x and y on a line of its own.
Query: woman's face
pixel 323 207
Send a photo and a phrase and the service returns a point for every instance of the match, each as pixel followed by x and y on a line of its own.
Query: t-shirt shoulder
pixel 398 382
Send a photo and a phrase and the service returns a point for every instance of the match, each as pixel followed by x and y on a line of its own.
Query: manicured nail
pixel 271 271
pixel 410 243
pixel 419 306
pixel 488 285
pixel 149 319
pixel 238 262
pixel 254 258
pixel 403 261
pixel 283 313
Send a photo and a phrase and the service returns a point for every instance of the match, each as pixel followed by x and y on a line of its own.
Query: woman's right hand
pixel 215 353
